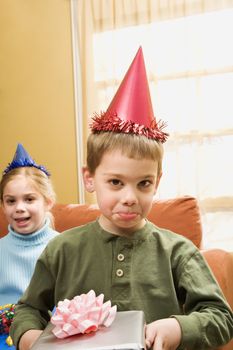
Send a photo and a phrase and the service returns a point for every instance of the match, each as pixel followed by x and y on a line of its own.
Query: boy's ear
pixel 88 180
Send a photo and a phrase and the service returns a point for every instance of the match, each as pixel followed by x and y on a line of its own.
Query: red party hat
pixel 131 109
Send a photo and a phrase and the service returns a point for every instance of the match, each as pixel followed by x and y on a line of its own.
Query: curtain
pixel 187 46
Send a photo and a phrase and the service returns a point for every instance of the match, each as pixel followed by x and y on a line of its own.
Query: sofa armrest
pixel 221 264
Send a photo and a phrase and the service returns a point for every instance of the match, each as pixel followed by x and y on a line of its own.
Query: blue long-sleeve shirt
pixel 18 256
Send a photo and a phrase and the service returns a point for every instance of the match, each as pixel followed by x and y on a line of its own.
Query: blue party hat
pixel 23 159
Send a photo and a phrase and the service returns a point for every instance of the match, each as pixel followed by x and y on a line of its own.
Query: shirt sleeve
pixel 207 320
pixel 33 308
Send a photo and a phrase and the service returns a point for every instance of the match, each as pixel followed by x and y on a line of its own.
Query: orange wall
pixel 36 88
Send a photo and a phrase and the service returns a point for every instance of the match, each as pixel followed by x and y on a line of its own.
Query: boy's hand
pixel 163 334
pixel 28 339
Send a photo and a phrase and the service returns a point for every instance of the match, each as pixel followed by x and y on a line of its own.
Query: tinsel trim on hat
pixel 111 122
pixel 19 163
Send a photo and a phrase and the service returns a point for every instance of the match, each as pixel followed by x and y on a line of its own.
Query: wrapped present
pixel 127 332
pixel 6 342
pixel 6 317
pixel 7 313
pixel 87 322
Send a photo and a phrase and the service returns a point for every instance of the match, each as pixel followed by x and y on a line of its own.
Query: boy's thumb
pixel 150 334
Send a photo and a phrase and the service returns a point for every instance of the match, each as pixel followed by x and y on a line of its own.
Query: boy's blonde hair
pixel 131 145
pixel 39 179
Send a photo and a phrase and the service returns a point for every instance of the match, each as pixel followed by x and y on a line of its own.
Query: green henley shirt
pixel 155 270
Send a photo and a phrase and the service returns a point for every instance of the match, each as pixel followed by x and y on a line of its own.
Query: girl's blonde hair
pixel 131 145
pixel 39 179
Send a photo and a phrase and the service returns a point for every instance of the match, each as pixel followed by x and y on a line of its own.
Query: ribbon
pixel 83 314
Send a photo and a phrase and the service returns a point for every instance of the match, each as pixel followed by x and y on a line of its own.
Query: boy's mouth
pixel 127 215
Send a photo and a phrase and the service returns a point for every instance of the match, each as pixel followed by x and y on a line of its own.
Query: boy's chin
pixel 126 227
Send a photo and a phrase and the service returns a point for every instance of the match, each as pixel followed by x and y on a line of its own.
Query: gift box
pixel 7 312
pixel 127 332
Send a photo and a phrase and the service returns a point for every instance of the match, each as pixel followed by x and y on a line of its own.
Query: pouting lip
pixel 121 212
pixel 127 214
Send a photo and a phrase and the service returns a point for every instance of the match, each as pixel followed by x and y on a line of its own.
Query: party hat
pixel 131 109
pixel 23 159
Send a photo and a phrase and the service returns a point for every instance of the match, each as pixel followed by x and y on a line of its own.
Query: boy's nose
pixel 129 197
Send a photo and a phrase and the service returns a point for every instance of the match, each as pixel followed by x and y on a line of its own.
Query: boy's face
pixel 124 189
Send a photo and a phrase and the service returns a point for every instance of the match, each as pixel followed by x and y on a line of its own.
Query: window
pixel 189 63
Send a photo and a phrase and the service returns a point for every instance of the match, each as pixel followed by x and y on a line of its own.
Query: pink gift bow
pixel 83 314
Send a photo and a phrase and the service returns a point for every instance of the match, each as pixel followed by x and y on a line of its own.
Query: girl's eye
pixel 30 199
pixel 10 201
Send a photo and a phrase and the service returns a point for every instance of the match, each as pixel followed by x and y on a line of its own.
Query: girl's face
pixel 25 208
pixel 124 189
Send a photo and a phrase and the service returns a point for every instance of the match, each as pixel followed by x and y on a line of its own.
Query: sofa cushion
pixel 180 215
pixel 3 224
pixel 67 216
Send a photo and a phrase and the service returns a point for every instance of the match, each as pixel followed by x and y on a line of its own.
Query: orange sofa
pixel 181 215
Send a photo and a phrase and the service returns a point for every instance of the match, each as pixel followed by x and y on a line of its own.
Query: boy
pixel 135 264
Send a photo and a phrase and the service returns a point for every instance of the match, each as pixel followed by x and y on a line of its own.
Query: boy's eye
pixel 145 183
pixel 115 182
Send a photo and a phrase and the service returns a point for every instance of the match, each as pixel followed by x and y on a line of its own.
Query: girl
pixel 27 196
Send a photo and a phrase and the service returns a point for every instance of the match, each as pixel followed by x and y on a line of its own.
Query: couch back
pixel 180 215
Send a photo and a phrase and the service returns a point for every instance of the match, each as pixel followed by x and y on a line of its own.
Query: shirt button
pixel 119 272
pixel 120 257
